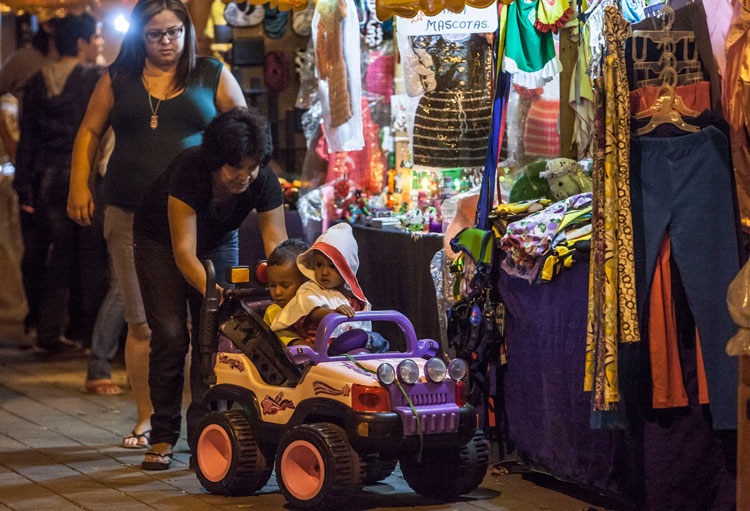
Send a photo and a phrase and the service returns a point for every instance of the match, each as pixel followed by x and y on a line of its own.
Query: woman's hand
pixel 80 205
pixel 346 310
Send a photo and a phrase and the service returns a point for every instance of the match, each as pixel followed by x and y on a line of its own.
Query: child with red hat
pixel 331 265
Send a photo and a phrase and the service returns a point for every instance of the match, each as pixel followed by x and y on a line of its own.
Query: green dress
pixel 529 54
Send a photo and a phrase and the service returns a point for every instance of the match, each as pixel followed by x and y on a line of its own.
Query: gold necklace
pixel 154 115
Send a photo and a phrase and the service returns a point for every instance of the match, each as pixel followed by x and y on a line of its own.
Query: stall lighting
pixel 456 183
pixel 121 24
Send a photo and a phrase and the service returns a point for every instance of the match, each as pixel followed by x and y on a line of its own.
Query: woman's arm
pixel 95 122
pixel 272 228
pixel 183 227
pixel 229 94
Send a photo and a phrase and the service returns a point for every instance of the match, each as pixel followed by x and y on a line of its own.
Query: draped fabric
pixel 612 315
pixel 737 104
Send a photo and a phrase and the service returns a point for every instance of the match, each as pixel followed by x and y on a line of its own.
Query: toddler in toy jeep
pixel 331 265
pixel 284 278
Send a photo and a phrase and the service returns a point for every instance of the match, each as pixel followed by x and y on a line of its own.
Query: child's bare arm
pixel 320 312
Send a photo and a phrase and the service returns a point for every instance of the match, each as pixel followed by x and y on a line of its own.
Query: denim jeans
pixel 167 296
pixel 106 337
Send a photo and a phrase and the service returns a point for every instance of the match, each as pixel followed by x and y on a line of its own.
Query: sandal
pixel 103 387
pixel 142 440
pixel 158 461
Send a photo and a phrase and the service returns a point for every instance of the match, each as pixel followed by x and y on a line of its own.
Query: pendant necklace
pixel 154 111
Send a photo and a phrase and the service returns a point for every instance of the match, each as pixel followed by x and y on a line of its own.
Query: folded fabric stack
pixel 548 240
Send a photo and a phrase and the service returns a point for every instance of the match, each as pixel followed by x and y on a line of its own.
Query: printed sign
pixel 468 21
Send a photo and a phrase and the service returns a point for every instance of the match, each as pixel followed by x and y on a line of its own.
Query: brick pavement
pixel 60 450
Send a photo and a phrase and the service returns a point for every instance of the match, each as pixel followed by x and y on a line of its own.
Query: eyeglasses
pixel 154 36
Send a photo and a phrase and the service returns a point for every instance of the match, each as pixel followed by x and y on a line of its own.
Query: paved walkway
pixel 60 450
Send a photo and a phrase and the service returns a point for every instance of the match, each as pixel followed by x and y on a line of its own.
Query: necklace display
pixel 154 111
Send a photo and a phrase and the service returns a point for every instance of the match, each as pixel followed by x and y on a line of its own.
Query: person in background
pixel 284 278
pixel 192 213
pixel 54 103
pixel 17 69
pixel 158 97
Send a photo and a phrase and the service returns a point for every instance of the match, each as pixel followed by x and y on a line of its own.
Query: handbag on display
pixel 243 15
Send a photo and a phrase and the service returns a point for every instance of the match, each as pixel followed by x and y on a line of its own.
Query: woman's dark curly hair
pixel 235 134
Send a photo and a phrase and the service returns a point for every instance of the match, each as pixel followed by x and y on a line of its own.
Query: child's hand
pixel 346 310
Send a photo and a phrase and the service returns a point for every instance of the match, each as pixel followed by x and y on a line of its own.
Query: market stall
pixel 601 343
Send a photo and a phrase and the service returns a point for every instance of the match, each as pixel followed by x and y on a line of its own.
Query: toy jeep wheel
pixel 377 468
pixel 448 474
pixel 316 467
pixel 229 460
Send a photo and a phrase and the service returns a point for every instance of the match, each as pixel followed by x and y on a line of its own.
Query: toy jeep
pixel 329 422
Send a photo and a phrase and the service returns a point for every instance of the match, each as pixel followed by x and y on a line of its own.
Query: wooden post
pixel 568 57
pixel 743 434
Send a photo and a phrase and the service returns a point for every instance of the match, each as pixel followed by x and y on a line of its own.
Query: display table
pixel 668 460
pixel 394 273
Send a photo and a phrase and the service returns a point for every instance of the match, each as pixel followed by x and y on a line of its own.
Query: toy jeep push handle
pixel 209 323
pixel 330 322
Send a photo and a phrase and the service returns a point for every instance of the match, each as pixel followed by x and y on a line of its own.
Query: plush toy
pixel 530 186
pixel 566 178
pixel 413 220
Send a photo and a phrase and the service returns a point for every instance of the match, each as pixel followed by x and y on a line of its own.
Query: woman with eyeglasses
pixel 158 98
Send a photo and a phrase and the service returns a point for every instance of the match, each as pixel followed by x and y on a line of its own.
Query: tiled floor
pixel 59 450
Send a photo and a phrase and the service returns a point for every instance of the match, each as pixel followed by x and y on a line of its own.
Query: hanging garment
pixel 597 41
pixel 551 15
pixel 540 135
pixel 339 80
pixel 737 104
pixel 529 54
pixel 667 387
pixel 612 315
pixel 452 123
pixel 581 96
pixel 684 184
pixel 696 96
pixel 632 10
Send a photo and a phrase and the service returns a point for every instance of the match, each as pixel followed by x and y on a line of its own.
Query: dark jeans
pixel 167 297
pixel 683 185
pixel 105 340
pixel 35 248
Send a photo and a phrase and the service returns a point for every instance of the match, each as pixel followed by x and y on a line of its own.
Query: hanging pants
pixel 682 185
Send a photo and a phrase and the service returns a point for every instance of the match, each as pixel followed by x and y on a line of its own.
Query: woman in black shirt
pixel 191 213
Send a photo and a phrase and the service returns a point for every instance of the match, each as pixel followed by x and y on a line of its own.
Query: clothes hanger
pixel 668 107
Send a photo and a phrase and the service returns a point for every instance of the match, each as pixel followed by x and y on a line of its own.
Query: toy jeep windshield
pixel 330 417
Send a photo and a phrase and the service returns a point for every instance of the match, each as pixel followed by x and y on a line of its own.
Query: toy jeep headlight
pixel 435 370
pixel 386 373
pixel 408 371
pixel 457 369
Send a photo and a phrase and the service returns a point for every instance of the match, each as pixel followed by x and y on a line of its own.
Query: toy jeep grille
pixel 425 398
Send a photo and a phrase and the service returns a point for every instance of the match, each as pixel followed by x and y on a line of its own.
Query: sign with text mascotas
pixel 470 20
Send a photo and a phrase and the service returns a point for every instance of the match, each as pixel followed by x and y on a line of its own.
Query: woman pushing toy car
pixel 192 212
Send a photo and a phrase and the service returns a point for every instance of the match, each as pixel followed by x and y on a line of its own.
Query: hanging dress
pixel 529 54
pixel 452 123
